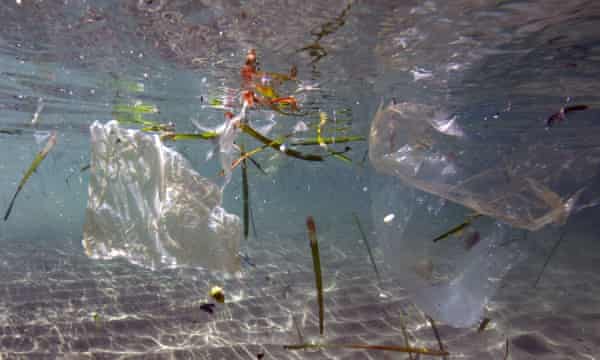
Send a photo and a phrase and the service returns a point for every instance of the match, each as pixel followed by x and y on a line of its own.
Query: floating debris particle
pixel 420 74
pixel 245 195
pixel 298 330
pixel 402 349
pixel 208 307
pixel 11 131
pixel 96 318
pixel 322 121
pixel 560 115
pixel 300 127
pixel 424 268
pixel 315 50
pixel 217 294
pixel 32 168
pixel 483 325
pixel 246 259
pixel 36 115
pixel 314 245
pixel 550 255
pixel 471 240
pixel 388 218
pixel 458 228
pixel 437 336
pixel 366 242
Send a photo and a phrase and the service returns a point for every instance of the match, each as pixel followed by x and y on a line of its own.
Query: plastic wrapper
pixel 451 280
pixel 146 204
pixel 519 180
pixel 525 179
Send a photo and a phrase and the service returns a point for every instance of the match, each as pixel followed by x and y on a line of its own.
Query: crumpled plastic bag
pixel 449 281
pixel 431 163
pixel 525 179
pixel 147 204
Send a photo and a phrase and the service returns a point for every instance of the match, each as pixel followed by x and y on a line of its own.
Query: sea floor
pixel 56 303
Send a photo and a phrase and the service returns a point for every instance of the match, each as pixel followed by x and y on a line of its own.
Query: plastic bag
pixel 146 204
pixel 525 179
pixel 451 280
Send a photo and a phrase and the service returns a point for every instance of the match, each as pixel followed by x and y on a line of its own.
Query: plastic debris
pixel 147 204
pixel 300 127
pixel 450 281
pixel 227 137
pixel 35 119
pixel 520 179
pixel 446 281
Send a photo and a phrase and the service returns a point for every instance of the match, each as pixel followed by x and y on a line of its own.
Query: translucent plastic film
pixel 146 203
pixel 452 258
pixel 525 178
pixel 451 280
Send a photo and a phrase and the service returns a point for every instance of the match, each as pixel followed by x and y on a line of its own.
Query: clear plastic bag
pixel 525 179
pixel 517 179
pixel 451 280
pixel 146 203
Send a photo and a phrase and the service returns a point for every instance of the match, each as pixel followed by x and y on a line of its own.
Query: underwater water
pixel 452 171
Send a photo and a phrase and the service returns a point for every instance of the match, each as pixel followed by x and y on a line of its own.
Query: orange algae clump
pixel 258 86
pixel 249 69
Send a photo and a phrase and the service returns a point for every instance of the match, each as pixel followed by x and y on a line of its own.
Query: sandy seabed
pixel 56 303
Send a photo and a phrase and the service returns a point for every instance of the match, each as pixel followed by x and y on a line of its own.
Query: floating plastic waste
pixel 524 179
pixel 450 280
pixel 147 204
pixel 527 179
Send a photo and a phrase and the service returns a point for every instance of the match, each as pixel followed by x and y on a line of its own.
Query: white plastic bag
pixel 146 203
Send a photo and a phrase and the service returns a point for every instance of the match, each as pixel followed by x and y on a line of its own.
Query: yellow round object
pixel 217 294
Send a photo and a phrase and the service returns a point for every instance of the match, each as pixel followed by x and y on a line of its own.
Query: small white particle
pixel 420 74
pixel 300 127
pixel 365 189
pixel 388 218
